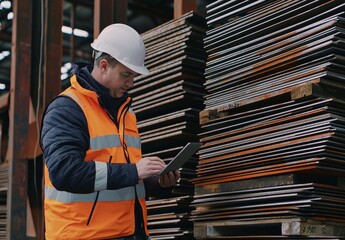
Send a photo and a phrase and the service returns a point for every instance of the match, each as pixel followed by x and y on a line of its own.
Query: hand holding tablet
pixel 181 157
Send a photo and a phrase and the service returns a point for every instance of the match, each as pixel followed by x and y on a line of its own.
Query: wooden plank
pixel 206 115
pixel 269 228
pixel 270 181
pixel 326 89
pixel 312 229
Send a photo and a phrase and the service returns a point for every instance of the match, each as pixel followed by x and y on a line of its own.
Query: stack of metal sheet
pixel 170 218
pixel 3 177
pixel 304 137
pixel 167 103
pixel 248 147
pixel 261 53
pixel 297 135
pixel 312 200
pixel 269 47
pixel 297 209
pixel 3 197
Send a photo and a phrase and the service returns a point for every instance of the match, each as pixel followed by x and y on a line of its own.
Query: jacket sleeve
pixel 65 140
pixel 153 189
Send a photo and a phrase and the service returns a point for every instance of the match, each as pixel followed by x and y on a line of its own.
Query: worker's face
pixel 118 79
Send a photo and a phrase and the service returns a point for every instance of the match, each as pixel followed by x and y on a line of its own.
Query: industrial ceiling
pixel 78 15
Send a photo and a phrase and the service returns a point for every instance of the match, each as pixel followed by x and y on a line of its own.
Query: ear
pixel 103 65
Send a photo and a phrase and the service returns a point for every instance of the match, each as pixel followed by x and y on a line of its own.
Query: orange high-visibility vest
pixel 66 214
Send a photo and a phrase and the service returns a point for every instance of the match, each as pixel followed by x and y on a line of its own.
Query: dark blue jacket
pixel 65 139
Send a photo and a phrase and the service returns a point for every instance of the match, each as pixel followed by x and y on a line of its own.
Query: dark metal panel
pixel 120 11
pixel 181 7
pixel 107 12
pixel 53 52
pixel 19 120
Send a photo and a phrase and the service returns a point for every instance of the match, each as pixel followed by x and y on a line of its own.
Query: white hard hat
pixel 124 44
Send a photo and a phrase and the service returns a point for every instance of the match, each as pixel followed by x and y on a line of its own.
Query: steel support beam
pixel 51 87
pixel 107 12
pixel 72 38
pixel 19 120
pixel 181 7
pixel 53 51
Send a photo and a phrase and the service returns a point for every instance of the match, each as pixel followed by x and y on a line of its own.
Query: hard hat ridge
pixel 124 44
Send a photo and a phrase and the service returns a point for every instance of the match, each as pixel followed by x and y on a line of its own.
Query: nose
pixel 130 82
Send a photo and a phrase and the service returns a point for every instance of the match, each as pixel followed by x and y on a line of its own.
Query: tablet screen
pixel 181 157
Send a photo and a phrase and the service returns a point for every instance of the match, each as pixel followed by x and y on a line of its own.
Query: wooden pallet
pixel 269 228
pixel 213 113
pixel 324 90
pixel 271 181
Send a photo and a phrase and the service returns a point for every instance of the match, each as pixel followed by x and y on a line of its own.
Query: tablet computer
pixel 181 157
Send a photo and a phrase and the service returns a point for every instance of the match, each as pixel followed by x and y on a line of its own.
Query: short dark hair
pixel 112 61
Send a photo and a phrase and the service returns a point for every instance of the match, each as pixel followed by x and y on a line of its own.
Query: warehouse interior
pixel 259 83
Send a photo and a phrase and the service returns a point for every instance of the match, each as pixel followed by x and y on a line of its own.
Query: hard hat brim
pixel 138 69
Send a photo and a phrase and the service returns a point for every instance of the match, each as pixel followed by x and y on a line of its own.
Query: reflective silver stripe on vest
pixel 140 187
pixel 105 142
pixel 131 110
pixel 113 141
pixel 133 141
pixel 123 194
pixel 101 176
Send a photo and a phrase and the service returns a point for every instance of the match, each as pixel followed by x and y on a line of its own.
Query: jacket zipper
pixel 126 154
pixel 124 145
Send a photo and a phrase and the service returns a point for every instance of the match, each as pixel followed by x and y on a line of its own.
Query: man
pixel 95 177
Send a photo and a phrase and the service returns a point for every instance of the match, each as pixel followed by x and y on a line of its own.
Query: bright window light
pixel 5 4
pixel 64 70
pixel 10 16
pixel 76 32
pixel 4 54
pixel 64 76
pixel 68 65
pixel 66 29
pixel 80 33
